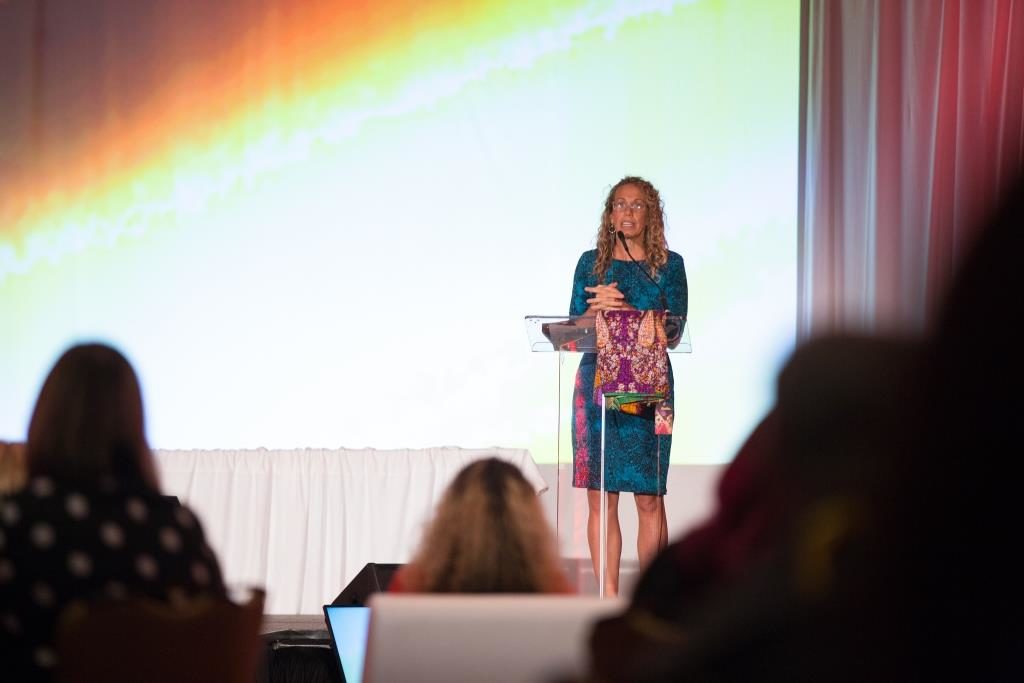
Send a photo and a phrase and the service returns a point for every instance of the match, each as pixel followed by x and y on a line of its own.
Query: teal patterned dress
pixel 636 459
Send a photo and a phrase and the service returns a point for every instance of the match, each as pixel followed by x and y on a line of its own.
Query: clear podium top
pixel 576 333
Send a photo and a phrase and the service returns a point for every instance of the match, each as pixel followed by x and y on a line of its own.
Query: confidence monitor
pixel 372 578
pixel 349 628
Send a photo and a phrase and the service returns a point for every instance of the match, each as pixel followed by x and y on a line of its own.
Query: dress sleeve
pixel 676 292
pixel 578 303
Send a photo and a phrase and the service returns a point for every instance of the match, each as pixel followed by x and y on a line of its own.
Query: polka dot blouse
pixel 61 543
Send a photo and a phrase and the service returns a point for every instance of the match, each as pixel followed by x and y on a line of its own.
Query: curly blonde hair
pixel 488 535
pixel 655 244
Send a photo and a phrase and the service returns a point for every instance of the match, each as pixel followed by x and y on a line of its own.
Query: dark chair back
pixel 203 639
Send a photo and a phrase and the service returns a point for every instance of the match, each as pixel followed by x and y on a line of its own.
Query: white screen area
pixel 358 275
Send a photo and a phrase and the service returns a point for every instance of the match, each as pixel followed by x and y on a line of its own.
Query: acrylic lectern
pixel 569 337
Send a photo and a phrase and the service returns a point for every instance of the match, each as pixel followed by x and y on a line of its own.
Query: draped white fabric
pixel 302 523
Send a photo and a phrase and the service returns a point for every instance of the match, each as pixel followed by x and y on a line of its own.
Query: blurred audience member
pixel 962 570
pixel 488 535
pixel 798 495
pixel 90 522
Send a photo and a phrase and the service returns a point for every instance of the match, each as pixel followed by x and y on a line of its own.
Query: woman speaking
pixel 631 269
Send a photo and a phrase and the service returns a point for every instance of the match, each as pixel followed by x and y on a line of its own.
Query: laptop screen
pixel 349 627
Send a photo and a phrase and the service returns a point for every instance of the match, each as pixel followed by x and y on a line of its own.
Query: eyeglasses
pixel 621 206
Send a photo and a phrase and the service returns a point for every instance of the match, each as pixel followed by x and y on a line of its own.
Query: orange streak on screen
pixel 270 55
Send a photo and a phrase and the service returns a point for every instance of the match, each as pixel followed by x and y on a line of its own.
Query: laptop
pixel 349 627
pixel 482 637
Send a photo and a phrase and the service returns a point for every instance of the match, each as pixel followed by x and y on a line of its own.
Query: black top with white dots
pixel 63 542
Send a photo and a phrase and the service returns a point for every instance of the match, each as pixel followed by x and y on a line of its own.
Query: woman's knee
pixel 594 501
pixel 648 505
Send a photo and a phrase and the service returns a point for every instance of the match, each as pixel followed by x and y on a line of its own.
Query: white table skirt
pixel 302 523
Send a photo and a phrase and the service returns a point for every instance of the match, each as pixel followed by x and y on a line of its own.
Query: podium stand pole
pixel 558 451
pixel 603 533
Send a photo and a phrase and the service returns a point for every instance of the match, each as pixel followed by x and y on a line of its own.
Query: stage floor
pixel 580 574
pixel 273 623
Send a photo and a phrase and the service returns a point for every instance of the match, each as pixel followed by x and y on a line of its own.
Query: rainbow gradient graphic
pixel 322 223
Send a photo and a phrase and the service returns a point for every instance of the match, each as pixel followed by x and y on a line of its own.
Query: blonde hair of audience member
pixel 488 535
pixel 88 421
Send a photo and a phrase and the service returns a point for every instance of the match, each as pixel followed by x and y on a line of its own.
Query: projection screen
pixel 322 224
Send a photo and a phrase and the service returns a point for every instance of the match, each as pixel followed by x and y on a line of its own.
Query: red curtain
pixel 911 125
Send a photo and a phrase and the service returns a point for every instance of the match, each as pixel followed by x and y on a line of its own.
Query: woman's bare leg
pixel 613 543
pixel 664 526
pixel 650 517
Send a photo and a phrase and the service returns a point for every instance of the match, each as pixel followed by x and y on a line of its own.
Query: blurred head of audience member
pixel 88 422
pixel 90 523
pixel 488 535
